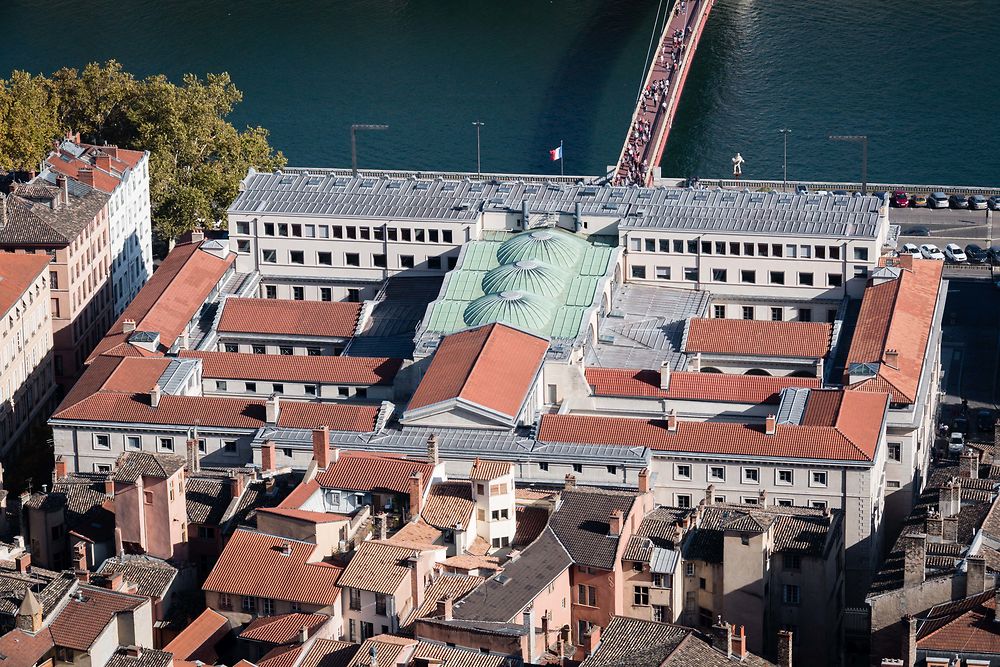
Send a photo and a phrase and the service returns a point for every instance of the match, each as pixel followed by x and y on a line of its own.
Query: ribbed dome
pixel 546 245
pixel 520 309
pixel 527 275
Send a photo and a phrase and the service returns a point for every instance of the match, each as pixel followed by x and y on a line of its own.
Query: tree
pixel 27 122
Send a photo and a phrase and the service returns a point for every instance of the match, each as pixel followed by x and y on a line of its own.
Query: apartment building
pixel 27 385
pixel 68 221
pixel 123 175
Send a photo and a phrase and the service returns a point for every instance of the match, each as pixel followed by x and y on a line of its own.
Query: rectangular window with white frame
pixel 683 500
pixel 817 478
pixel 751 475
pixel 133 443
pixel 717 473
pixel 102 441
pixel 682 471
pixel 784 477
pixel 165 444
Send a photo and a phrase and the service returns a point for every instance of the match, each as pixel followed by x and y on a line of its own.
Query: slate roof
pixel 582 522
pixel 297 368
pixel 207 499
pixel 377 566
pixel 757 338
pixel 130 466
pixel 322 319
pixel 49 588
pixel 151 576
pixel 631 642
pixel 492 366
pixel 89 511
pixel 503 596
pixel 796 529
pixel 684 385
pixel 31 221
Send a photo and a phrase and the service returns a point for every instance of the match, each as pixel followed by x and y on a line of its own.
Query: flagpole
pixel 562 159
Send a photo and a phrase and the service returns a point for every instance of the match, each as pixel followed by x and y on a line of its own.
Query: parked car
pixel 821 192
pixel 993 255
pixel 985 420
pixel 958 201
pixel 937 200
pixel 954 253
pixel 976 202
pixel 975 254
pixel 919 201
pixel 842 193
pixel 910 249
pixel 900 199
pixel 956 443
pixel 916 231
pixel 931 251
pixel 801 190
pixel 994 202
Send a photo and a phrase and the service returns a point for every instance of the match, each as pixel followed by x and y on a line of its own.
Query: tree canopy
pixel 197 157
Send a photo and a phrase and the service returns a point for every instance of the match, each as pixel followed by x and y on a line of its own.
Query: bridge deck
pixel 661 92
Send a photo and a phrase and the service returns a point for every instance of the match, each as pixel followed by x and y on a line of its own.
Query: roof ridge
pixel 479 353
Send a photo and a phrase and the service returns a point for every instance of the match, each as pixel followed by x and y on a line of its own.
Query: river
pixel 920 83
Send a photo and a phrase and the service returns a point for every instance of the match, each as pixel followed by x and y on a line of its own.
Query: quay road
pixel 945 225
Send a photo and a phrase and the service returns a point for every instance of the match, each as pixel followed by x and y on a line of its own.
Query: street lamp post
pixel 784 159
pixel 479 164
pixel 354 143
pixel 863 140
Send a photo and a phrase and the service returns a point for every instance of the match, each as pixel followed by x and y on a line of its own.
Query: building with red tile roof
pixel 95 622
pixel 759 347
pixel 966 628
pixel 690 386
pixel 488 376
pixel 323 326
pixel 198 639
pixel 283 629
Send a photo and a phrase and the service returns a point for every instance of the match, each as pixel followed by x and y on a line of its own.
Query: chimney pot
pixel 672 420
pixel 155 395
pixel 570 482
pixel 771 425
pixel 892 358
pixel 128 326
pixel 644 480
pixel 60 467
pixel 23 563
pixel 665 375
pixel 739 644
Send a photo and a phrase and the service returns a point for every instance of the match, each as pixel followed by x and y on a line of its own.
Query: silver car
pixel 937 200
pixel 977 202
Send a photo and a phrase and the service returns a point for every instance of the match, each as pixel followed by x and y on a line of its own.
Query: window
pixel 691 274
pixel 102 441
pixel 586 595
pixel 748 276
pixel 892 484
pixel 270 292
pixel 895 452
pixel 313 352
pixel 834 279
pixel 638 271
pixel 784 477
pixel 147 497
pixel 243 247
pixel 498 515
pixel 229 446
pixel 325 294
pixel 612 470
pixel 692 247
pixel 719 275
pixel 860 271
pixel 249 605
pixel 650 245
pixel 751 475
pixel 637 566
pixel 702 583
pixel 706 247
pixel 267 606
pixel 689 569
pixel 665 245
pixel 678 245
pixel 351 632
pixel 748 312
pixel 806 279
pixel 777 277
pixel 380 604
pixel 297 257
pixel 790 594
pixel 717 473
pixel 663 580
pixel 817 478
pixel 278 388
pixel 355 601
pixel 202 445
pixel 660 613
pixel 805 251
pixel 367 630
pixel 783 502
pixel 310 389
pixel 166 444
pixel 133 442
pixel 232 347
pixel 406 261
pixel 298 293
pixel 285 350
pixel 282 229
pixel 719 312
pixel 352 259
pixel 683 500
pixel 251 387
pixel 861 254
pixel 577 467
pixel 500 542
pixel 269 255
pixel 805 314
pixel 268 229
pixel 817 504
pixel 324 258
pixel 820 251
pixel 834 252
pixel 777 314
pixel 776 249
pixel 379 261
pixel 225 601
pixel 682 471
pixel 747 249
pixel 791 561
pixel 434 263
pixel 749 500
pixel 259 349
pixel 446 236
pixel 543 466
pixel 663 273
pixel 640 596
pixel 221 385
pixel 790 250
pixel 720 247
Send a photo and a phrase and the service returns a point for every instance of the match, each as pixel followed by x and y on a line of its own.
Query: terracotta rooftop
pixel 458 657
pixel 852 437
pixel 329 653
pixel 256 564
pixel 447 504
pixel 284 628
pixel 530 522
pixel 721 387
pixel 123 375
pixel 492 367
pixel 21 648
pixel 897 315
pixel 455 586
pixel 297 368
pixel 130 466
pixel 484 470
pixel 963 627
pixel 757 338
pixel 417 535
pixel 83 619
pixel 322 319
pixel 17 273
pixel 174 294
pixel 377 566
pixel 360 471
pixel 197 640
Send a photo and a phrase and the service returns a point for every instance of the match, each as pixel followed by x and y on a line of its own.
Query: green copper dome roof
pixel 520 309
pixel 528 275
pixel 553 247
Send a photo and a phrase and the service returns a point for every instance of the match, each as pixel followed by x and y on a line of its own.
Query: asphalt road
pixel 946 225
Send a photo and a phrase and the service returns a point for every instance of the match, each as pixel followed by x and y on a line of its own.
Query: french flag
pixel 556 153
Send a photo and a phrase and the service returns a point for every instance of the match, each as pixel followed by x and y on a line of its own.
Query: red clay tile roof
pixel 973 631
pixel 377 566
pixel 197 641
pixel 360 471
pixel 492 366
pixel 297 368
pixel 174 293
pixel 328 653
pixel 722 387
pixel 281 656
pixel 127 375
pixel 304 515
pixel 338 416
pixel 17 273
pixel 487 471
pixel 282 629
pixel 80 623
pixel 898 315
pixel 529 522
pixel 449 503
pixel 758 338
pixel 416 535
pixel 253 564
pixel 20 648
pixel 328 319
pixel 853 437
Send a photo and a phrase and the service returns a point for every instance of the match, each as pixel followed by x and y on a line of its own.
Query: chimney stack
pixel 615 523
pixel 80 556
pixel 949 529
pixel 60 467
pixel 672 420
pixel 445 607
pixel 416 487
pixel 63 184
pixel 128 326
pixel 432 450
pixel 910 641
pixel 193 460
pixel 968 464
pixel 382 521
pixel 892 358
pixel 570 482
pixel 3 210
pixel 710 494
pixel 975 575
pixel 154 396
pixel 86 176
pixel 665 375
pixel 303 634
pixel 770 425
pixel 914 558
pixel 197 235
pixel 119 543
pixel 933 524
pixel 272 408
pixel 950 498
pixel 784 648
pixel 236 485
pixel 739 644
pixel 22 563
pixel 722 636
pixel 321 447
pixel 268 462
pixel 103 162
pixel 644 480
